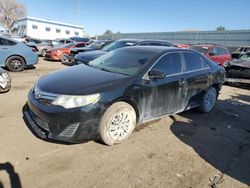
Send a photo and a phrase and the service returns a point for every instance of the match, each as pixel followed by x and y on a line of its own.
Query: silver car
pixel 5 81
pixel 15 55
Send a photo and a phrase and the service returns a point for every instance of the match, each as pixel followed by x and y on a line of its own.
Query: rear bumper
pixel 69 125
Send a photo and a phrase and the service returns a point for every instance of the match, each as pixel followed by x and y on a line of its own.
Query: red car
pixel 62 53
pixel 183 46
pixel 216 53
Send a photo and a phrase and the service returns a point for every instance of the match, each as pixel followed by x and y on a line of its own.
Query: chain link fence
pixel 229 38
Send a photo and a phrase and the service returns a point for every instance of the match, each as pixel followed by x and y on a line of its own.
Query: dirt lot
pixel 185 150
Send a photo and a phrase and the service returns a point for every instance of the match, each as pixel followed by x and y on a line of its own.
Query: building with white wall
pixel 46 29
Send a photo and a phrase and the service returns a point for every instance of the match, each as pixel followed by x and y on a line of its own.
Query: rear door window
pixel 214 51
pixel 170 64
pixel 194 62
pixel 222 51
pixel 154 44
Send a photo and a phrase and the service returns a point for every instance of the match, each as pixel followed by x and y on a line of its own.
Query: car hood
pixel 83 49
pixel 91 55
pixel 55 49
pixel 79 80
pixel 239 63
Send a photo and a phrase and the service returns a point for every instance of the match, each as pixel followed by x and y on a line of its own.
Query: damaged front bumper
pixel 53 122
pixel 5 82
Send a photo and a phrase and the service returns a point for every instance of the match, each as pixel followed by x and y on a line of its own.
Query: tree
pixel 10 11
pixel 108 32
pixel 220 28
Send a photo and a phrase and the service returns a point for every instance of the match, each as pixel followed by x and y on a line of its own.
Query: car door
pixel 214 55
pixel 5 50
pixel 198 75
pixel 163 96
pixel 225 56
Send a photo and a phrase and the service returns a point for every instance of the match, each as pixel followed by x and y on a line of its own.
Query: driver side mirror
pixel 155 74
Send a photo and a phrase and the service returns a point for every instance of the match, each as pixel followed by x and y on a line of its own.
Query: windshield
pixel 200 49
pixel 117 44
pixel 124 61
pixel 68 45
pixel 245 57
pixel 96 45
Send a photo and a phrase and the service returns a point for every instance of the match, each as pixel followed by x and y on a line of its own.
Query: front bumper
pixel 69 125
pixel 51 56
pixel 5 84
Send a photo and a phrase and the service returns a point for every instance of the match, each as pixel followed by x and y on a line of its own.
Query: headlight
pixel 5 75
pixel 58 51
pixel 68 101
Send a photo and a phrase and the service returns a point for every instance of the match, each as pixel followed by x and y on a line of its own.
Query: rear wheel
pixel 43 53
pixel 15 63
pixel 208 100
pixel 117 123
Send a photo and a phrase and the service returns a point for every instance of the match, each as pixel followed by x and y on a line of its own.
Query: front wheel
pixel 65 58
pixel 15 63
pixel 117 123
pixel 208 100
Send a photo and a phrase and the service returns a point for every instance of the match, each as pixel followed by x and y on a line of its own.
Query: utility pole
pixel 77 13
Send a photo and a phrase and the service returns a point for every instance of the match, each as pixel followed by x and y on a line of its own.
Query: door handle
pixel 4 48
pixel 182 82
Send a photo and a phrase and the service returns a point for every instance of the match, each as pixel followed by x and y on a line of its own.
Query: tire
pixel 117 123
pixel 43 52
pixel 208 100
pixel 64 58
pixel 15 63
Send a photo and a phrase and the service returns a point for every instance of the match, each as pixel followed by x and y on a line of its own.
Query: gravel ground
pixel 190 149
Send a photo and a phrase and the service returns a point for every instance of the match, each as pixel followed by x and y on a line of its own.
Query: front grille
pixel 45 101
pixel 41 123
pixel 70 130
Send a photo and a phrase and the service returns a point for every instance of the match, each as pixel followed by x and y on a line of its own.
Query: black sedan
pixel 96 45
pixel 5 81
pixel 89 56
pixel 110 95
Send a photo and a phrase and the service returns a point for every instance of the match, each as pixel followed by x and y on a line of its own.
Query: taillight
pixel 33 50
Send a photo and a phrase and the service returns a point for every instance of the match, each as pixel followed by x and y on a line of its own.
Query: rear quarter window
pixel 194 62
pixel 6 42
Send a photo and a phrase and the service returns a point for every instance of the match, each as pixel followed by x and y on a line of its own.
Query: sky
pixel 128 16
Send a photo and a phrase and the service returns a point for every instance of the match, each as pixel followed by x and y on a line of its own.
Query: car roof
pixel 157 49
pixel 153 40
pixel 209 45
pixel 130 40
